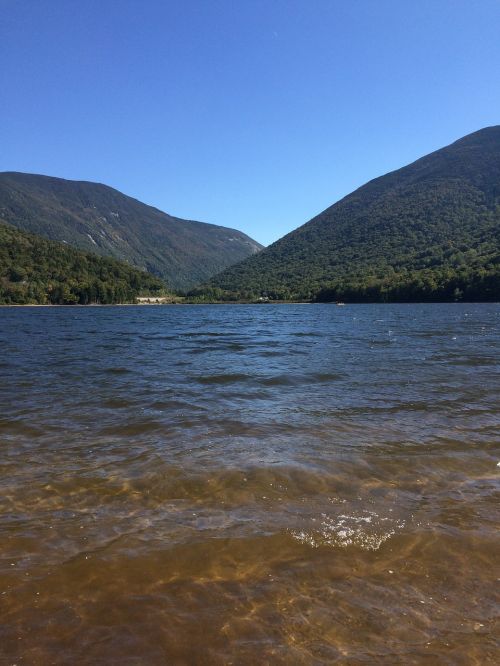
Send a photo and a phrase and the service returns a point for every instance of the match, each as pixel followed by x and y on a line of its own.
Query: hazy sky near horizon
pixel 253 114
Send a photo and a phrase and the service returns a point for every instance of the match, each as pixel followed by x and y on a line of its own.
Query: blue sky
pixel 254 114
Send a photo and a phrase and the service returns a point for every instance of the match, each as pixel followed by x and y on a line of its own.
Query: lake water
pixel 296 484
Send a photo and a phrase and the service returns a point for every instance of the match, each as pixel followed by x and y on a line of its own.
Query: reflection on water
pixel 249 485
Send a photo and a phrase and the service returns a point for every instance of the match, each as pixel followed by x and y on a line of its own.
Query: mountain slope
pixel 36 270
pixel 421 230
pixel 99 219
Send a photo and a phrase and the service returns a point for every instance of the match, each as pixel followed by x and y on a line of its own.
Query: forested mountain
pixel 99 219
pixel 428 231
pixel 36 270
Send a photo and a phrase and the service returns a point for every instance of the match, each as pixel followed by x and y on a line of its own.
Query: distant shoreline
pixel 156 305
pixel 144 305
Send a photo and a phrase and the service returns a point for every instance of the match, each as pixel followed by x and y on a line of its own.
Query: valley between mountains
pixel 429 231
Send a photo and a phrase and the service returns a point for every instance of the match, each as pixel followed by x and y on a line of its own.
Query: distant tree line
pixel 39 271
pixel 425 286
pixel 469 277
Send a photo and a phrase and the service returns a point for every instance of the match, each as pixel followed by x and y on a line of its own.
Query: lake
pixel 267 484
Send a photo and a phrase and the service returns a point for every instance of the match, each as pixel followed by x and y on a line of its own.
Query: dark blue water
pixel 249 484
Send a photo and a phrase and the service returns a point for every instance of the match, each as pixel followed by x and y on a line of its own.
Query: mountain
pixel 99 219
pixel 36 270
pixel 428 231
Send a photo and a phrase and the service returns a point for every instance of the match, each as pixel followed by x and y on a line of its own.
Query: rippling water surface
pixel 286 484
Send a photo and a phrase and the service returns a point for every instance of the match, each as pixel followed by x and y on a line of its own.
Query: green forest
pixel 424 261
pixel 429 231
pixel 38 271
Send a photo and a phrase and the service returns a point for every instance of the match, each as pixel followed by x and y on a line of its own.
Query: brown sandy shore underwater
pixel 217 485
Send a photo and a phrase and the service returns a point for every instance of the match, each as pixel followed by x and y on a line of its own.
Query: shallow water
pixel 296 484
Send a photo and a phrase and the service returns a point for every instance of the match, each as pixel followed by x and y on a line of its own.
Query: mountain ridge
pixel 397 228
pixel 97 218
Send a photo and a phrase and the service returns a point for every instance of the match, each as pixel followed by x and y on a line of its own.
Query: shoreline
pixel 144 305
pixel 156 305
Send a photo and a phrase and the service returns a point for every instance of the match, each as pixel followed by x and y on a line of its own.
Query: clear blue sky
pixel 255 114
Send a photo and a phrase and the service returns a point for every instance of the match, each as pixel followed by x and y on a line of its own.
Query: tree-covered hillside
pixel 429 231
pixel 101 220
pixel 36 270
